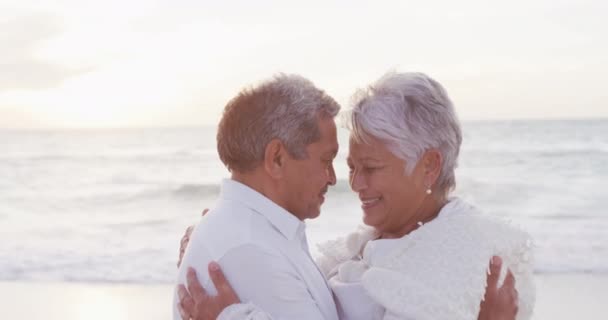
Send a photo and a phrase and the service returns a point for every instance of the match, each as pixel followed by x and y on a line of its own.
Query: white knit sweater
pixel 436 272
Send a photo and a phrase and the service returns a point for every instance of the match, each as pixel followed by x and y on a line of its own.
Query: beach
pixel 559 297
pixel 91 220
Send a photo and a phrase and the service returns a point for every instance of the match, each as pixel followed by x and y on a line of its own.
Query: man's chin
pixel 315 213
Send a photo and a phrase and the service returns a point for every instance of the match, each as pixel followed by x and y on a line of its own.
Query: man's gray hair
pixel 411 113
pixel 286 107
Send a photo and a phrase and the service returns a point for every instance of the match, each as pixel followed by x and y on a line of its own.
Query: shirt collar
pixel 285 222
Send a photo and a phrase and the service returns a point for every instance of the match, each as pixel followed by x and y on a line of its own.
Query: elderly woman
pixel 422 254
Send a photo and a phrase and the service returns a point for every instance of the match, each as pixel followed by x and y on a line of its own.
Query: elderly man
pixel 278 140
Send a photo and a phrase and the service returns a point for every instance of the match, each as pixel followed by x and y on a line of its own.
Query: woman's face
pixel 390 199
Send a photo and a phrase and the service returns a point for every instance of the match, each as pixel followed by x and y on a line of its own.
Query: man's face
pixel 308 179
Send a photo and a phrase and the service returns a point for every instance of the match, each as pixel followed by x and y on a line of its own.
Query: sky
pixel 90 64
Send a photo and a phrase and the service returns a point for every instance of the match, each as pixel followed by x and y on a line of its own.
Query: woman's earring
pixel 429 191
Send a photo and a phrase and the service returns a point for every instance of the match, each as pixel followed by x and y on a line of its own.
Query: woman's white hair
pixel 411 113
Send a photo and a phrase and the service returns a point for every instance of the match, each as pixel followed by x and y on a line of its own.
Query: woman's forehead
pixel 371 150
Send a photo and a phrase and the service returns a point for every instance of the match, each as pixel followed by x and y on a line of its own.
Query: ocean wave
pixel 180 192
pixel 140 194
pixel 569 270
pixel 195 190
pixel 126 156
pixel 152 271
pixel 536 152
pixel 143 223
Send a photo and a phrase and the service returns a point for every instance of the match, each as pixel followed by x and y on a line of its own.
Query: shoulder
pixel 461 218
pixel 231 226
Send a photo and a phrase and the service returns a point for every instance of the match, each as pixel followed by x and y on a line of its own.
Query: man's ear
pixel 275 156
pixel 432 161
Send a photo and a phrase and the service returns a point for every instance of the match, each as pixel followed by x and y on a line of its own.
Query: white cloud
pixel 161 62
pixel 21 65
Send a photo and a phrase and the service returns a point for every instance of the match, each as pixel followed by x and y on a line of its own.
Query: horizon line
pixel 207 125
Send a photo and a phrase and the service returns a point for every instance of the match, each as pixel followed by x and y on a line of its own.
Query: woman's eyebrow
pixel 369 159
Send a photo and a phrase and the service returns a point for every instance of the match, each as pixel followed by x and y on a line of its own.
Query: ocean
pixel 110 206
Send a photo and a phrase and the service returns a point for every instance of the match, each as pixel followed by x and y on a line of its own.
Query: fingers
pixel 221 284
pixel 181 256
pixel 186 237
pixel 205 212
pixel 509 282
pixel 196 289
pixel 182 313
pixel 183 244
pixel 509 286
pixel 186 304
pixel 495 265
pixel 508 294
pixel 179 259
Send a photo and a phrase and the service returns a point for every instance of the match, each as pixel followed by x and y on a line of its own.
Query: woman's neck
pixel 427 212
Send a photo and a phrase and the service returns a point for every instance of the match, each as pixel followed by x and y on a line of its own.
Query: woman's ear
pixel 432 161
pixel 274 158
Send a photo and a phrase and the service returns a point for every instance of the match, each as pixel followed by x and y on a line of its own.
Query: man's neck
pixel 261 183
